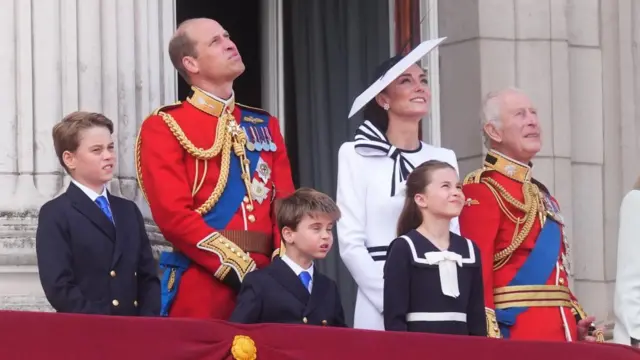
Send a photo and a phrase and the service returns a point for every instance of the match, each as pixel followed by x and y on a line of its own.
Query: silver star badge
pixel 264 171
pixel 259 191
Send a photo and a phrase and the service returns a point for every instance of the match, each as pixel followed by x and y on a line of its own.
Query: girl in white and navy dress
pixel 372 171
pixel 433 277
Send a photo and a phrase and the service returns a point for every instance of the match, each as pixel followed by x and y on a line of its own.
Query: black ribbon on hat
pixel 369 141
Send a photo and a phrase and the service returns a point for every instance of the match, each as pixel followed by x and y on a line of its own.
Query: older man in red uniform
pixel 211 170
pixel 518 226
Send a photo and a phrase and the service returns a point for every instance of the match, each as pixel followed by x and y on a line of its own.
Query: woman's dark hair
pixel 411 217
pixel 372 111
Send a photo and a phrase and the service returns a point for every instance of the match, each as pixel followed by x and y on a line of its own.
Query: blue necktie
pixel 305 277
pixel 104 206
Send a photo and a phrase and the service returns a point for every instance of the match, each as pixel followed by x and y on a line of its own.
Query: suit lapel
pixel 283 274
pixel 119 211
pixel 91 211
pixel 319 291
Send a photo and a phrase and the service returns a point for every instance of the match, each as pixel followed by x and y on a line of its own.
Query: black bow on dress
pixel 369 141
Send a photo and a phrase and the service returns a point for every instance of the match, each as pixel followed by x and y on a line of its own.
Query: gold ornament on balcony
pixel 243 348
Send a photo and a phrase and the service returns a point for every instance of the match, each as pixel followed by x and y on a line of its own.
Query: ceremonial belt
pixel 250 241
pixel 378 253
pixel 536 270
pixel 531 296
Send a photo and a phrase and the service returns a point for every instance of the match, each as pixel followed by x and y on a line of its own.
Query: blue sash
pixel 535 270
pixel 174 264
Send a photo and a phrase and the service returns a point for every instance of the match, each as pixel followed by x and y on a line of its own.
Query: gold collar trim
pixel 209 104
pixel 507 166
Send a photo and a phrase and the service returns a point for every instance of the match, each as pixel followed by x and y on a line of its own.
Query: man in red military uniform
pixel 211 169
pixel 518 226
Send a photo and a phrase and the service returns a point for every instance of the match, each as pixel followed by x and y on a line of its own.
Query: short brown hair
pixel 180 46
pixel 66 133
pixel 304 202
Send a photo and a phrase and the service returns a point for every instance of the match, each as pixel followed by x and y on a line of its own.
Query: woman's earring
pixel 386 107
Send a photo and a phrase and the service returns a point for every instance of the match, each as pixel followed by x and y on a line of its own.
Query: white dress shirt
pixel 626 304
pixel 90 193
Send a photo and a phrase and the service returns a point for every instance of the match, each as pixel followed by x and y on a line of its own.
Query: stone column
pixel 61 56
pixel 580 63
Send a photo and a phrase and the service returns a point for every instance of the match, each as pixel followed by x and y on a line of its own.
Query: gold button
pixel 561 281
pixel 112 273
pixel 324 322
pixel 304 320
pixel 115 302
pixel 251 218
pixel 561 268
pixel 135 303
pixel 246 199
pixel 249 207
pixel 135 273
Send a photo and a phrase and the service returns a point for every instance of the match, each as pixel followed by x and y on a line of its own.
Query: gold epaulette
pixel 165 107
pixel 263 111
pixel 474 176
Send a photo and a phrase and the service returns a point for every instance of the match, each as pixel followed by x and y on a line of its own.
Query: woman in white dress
pixel 626 305
pixel 372 171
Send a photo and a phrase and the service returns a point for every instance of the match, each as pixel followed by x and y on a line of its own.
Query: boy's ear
pixel 287 235
pixel 69 160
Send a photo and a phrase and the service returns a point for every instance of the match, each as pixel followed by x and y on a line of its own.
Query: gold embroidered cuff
pixel 493 330
pixel 577 310
pixel 579 313
pixel 231 256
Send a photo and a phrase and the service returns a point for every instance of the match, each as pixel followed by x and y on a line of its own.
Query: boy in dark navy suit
pixel 291 290
pixel 94 255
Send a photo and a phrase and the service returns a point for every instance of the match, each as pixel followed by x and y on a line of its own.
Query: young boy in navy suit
pixel 94 255
pixel 291 290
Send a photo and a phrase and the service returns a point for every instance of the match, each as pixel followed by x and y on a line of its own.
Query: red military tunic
pixel 495 201
pixel 182 170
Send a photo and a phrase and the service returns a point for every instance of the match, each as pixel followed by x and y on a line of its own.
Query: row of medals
pixel 259 139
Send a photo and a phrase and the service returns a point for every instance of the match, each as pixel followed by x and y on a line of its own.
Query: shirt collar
pixel 295 267
pixel 90 193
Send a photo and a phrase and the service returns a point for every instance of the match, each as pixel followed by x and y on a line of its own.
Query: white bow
pixel 448 263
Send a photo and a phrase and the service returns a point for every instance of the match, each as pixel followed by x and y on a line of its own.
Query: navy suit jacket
pixel 276 295
pixel 89 265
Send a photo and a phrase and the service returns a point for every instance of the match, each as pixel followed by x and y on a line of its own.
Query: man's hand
pixel 583 329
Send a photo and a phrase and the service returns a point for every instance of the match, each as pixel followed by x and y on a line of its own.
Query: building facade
pixel 578 59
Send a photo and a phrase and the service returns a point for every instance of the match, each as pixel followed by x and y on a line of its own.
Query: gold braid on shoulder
pixel 531 208
pixel 228 136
